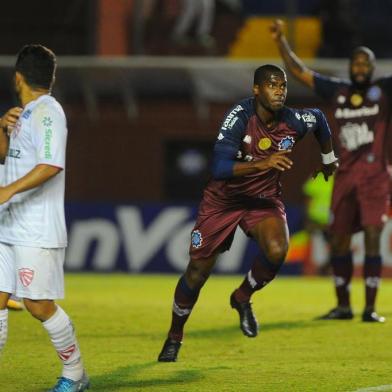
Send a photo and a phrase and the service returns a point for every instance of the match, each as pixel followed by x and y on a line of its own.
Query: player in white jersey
pixel 32 226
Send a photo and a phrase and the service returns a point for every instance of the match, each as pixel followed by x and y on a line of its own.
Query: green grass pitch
pixel 122 320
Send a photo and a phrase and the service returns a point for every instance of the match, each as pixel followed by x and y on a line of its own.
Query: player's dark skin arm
pixel 296 67
pixel 278 160
pixel 7 121
pixel 327 170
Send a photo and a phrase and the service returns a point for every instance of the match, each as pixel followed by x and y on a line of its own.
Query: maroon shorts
pixel 359 201
pixel 216 223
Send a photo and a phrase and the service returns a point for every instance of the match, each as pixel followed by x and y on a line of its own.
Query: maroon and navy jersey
pixel 243 138
pixel 359 122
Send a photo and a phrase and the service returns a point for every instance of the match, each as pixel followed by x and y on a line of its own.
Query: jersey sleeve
pixel 314 121
pixel 49 132
pixel 326 86
pixel 228 143
pixel 386 84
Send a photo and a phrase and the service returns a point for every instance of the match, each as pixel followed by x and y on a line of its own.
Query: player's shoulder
pixel 48 106
pixel 301 120
pixel 332 80
pixel 239 113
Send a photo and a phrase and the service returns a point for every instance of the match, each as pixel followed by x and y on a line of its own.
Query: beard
pixel 362 83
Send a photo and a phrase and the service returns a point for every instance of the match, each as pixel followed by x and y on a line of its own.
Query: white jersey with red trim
pixel 36 217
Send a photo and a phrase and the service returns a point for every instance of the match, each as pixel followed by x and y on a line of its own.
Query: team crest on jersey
pixel 374 93
pixel 265 143
pixel 356 100
pixel 196 239
pixel 286 143
pixel 26 276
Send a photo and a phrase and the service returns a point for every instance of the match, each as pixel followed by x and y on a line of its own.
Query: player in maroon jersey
pixel 250 153
pixel 360 201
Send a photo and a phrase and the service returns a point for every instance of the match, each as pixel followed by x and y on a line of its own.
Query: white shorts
pixel 33 273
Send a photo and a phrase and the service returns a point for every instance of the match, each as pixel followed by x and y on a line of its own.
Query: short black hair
pixel 37 64
pixel 264 72
pixel 364 50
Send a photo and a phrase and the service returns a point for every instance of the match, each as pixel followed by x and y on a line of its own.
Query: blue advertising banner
pixel 148 238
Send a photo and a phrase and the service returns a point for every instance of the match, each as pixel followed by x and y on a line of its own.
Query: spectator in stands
pixel 201 12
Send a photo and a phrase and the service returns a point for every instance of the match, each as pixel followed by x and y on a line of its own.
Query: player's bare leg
pixel 372 272
pixel 185 296
pixel 342 268
pixel 62 335
pixel 272 236
pixel 3 318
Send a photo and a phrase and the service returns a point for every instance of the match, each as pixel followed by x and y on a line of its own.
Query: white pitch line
pixel 380 388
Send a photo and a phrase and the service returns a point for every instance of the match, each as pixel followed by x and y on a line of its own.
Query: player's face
pixel 361 69
pixel 271 93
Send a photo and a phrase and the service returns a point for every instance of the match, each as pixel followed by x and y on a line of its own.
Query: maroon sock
pixel 260 274
pixel 184 300
pixel 342 267
pixel 372 275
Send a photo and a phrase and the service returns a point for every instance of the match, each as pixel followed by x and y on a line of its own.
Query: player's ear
pixel 256 89
pixel 19 79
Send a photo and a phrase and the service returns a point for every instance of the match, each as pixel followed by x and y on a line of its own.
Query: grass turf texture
pixel 122 320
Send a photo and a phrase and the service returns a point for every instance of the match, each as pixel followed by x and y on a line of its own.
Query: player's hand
pixel 327 170
pixel 5 194
pixel 276 29
pixel 279 160
pixel 10 118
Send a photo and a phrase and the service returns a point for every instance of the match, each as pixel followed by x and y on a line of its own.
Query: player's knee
pixel 276 252
pixel 196 276
pixel 39 311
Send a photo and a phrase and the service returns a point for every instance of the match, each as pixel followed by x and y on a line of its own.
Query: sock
pixel 62 336
pixel 260 274
pixel 342 267
pixel 3 327
pixel 184 300
pixel 372 276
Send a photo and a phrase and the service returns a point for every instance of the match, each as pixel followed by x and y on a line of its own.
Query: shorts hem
pixel 38 297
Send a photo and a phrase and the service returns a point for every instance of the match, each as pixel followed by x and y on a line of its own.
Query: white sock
pixel 62 335
pixel 3 327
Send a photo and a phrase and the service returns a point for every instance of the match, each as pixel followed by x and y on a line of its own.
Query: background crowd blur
pixel 145 84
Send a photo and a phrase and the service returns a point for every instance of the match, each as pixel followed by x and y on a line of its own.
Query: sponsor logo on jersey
pixel 47 121
pixel 196 239
pixel 356 100
pixel 26 276
pixel 361 112
pixel 47 143
pixel 286 143
pixel 247 139
pixel 374 93
pixel 298 115
pixel 309 118
pixel 220 136
pixel 66 354
pixel 230 119
pixel 26 114
pixel 341 99
pixel 13 153
pixel 265 143
pixel 353 135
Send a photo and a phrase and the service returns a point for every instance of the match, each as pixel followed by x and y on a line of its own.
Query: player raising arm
pixel 251 152
pixel 360 114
